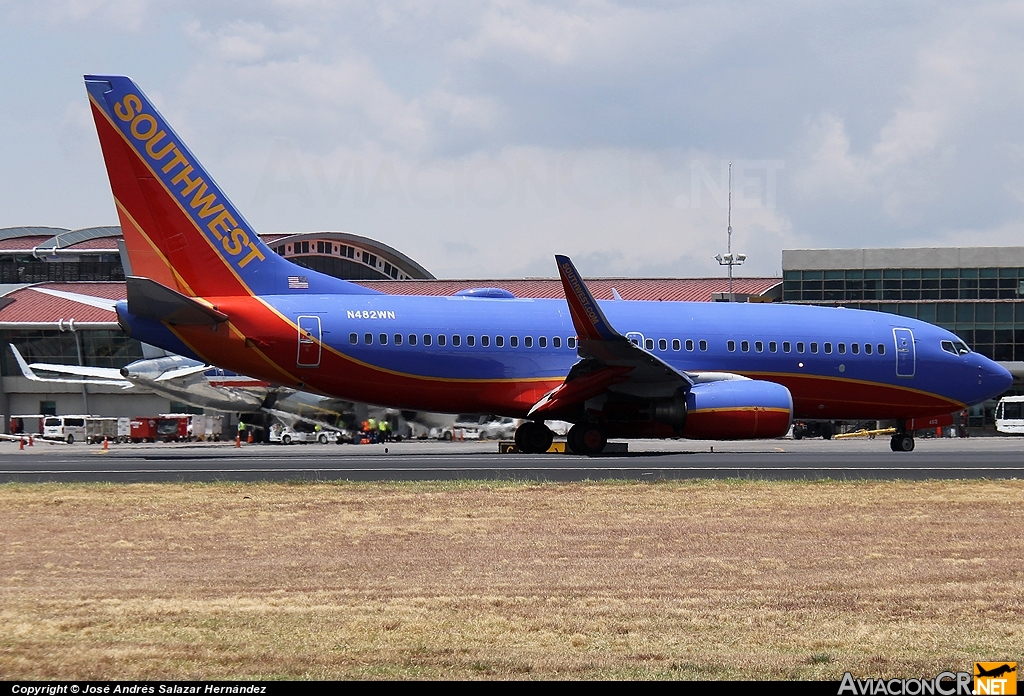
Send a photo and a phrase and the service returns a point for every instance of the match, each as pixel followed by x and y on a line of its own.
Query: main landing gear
pixel 533 437
pixel 586 438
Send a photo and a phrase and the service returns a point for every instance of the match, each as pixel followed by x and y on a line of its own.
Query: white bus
pixel 1010 415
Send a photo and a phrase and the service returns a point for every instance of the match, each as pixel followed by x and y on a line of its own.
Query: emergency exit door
pixel 309 342
pixel 905 354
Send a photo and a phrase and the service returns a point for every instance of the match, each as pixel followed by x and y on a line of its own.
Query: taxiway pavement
pixel 983 457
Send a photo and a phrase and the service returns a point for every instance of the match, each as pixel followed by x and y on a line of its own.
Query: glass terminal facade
pixel 984 306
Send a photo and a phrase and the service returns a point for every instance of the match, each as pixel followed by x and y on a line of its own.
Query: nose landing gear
pixel 902 442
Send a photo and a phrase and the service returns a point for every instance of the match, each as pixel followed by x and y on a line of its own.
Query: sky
pixel 481 138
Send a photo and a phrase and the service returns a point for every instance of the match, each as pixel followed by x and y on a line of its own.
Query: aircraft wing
pixel 608 360
pixel 90 375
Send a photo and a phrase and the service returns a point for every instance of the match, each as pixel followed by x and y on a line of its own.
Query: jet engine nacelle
pixel 738 410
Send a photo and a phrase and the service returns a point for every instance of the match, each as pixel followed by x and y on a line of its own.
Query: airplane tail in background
pixel 179 228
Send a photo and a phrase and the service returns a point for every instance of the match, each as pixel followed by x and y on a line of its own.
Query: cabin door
pixel 905 353
pixel 309 342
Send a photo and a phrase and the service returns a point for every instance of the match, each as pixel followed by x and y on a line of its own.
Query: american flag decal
pixel 298 282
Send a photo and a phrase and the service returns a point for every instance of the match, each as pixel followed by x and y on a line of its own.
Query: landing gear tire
pixel 798 432
pixel 586 438
pixel 902 443
pixel 533 437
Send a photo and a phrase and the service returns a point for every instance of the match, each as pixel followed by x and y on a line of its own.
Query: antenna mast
pixel 729 259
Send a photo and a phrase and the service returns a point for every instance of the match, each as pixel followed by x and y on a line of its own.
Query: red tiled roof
pixel 25 243
pixel 99 243
pixel 271 238
pixel 30 305
pixel 667 289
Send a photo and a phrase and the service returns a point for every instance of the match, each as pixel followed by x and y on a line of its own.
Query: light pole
pixel 730 259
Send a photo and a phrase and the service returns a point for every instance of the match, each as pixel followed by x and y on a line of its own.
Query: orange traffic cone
pixel 106 445
pixel 30 441
pixel 21 444
pixel 249 441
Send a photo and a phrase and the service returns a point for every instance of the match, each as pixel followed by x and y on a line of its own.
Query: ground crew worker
pixel 241 429
pixel 372 432
pixel 383 431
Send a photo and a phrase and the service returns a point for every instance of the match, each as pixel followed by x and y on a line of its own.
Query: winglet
pixel 25 369
pixel 587 316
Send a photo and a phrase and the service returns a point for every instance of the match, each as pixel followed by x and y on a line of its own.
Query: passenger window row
pixel 457 340
pixel 801 347
pixel 676 344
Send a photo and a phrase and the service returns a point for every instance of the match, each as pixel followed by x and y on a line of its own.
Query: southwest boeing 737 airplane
pixel 207 287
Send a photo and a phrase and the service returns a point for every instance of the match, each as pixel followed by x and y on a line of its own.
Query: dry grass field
pixel 731 580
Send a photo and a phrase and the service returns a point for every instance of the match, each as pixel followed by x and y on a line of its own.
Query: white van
pixel 67 428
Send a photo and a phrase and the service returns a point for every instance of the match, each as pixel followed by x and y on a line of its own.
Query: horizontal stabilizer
pixel 148 298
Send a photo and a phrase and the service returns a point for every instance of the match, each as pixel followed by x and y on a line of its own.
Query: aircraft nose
pixel 995 378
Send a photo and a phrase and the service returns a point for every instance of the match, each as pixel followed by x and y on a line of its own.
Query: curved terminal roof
pixel 385 261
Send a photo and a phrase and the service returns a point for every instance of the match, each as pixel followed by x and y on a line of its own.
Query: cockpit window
pixel 955 347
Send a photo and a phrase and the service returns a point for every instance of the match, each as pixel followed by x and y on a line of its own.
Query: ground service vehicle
pixel 71 429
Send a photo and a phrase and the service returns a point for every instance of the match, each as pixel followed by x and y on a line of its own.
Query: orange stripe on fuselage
pixel 837 398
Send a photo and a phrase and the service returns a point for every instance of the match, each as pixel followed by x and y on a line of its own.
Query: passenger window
pixel 499 341
pixel 731 345
pixel 786 347
pixel 513 341
pixel 398 339
pixel 427 338
pixel 412 339
pixel 571 341
pixel 485 341
pixel 649 344
pixel 828 347
pixel 556 342
pixel 842 348
pixel 542 342
pixel 441 339
pixel 759 346
pixel 456 340
pixel 703 344
pixel 470 341
pixel 855 348
pixel 662 344
pixel 383 339
pixel 881 349
pixel 799 347
pixel 773 346
pixel 528 341
pixel 745 346
pixel 368 339
pixel 867 348
pixel 353 338
pixel 689 344
pixel 814 347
